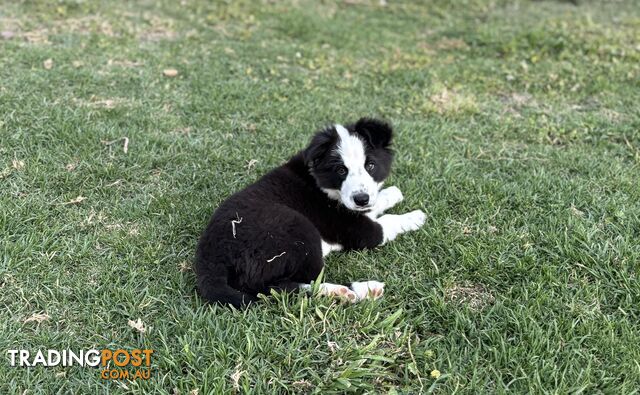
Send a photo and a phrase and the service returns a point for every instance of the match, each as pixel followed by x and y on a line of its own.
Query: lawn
pixel 518 133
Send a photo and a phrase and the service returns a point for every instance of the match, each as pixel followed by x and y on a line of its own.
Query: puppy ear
pixel 318 147
pixel 378 133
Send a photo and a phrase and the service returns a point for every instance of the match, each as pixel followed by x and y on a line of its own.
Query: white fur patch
pixel 358 180
pixel 332 193
pixel 351 150
pixel 327 248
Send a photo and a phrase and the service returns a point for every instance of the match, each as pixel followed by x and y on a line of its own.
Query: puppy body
pixel 274 233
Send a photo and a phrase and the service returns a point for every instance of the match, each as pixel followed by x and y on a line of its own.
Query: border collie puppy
pixel 274 233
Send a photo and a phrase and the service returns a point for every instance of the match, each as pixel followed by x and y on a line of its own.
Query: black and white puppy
pixel 274 233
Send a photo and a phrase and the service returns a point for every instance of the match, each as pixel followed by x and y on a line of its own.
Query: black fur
pixel 286 211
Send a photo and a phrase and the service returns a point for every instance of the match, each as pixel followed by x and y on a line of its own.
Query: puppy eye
pixel 341 171
pixel 370 166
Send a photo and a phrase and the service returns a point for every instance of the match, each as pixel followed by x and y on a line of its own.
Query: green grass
pixel 517 132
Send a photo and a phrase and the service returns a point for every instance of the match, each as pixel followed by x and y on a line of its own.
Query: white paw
pixel 413 220
pixel 337 291
pixel 392 195
pixel 393 225
pixel 368 289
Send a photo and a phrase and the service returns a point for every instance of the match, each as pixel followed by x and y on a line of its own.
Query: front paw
pixel 368 289
pixel 413 220
pixel 392 196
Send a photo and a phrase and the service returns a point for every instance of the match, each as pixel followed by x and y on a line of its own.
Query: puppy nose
pixel 361 199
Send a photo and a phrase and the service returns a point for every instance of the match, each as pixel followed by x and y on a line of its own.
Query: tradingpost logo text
pixel 117 364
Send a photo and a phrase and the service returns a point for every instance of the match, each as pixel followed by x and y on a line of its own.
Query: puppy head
pixel 349 163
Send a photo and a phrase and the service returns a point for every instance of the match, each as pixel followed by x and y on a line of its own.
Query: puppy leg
pixel 393 225
pixel 387 198
pixel 280 248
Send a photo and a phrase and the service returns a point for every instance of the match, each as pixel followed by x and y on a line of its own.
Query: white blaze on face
pixel 351 150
